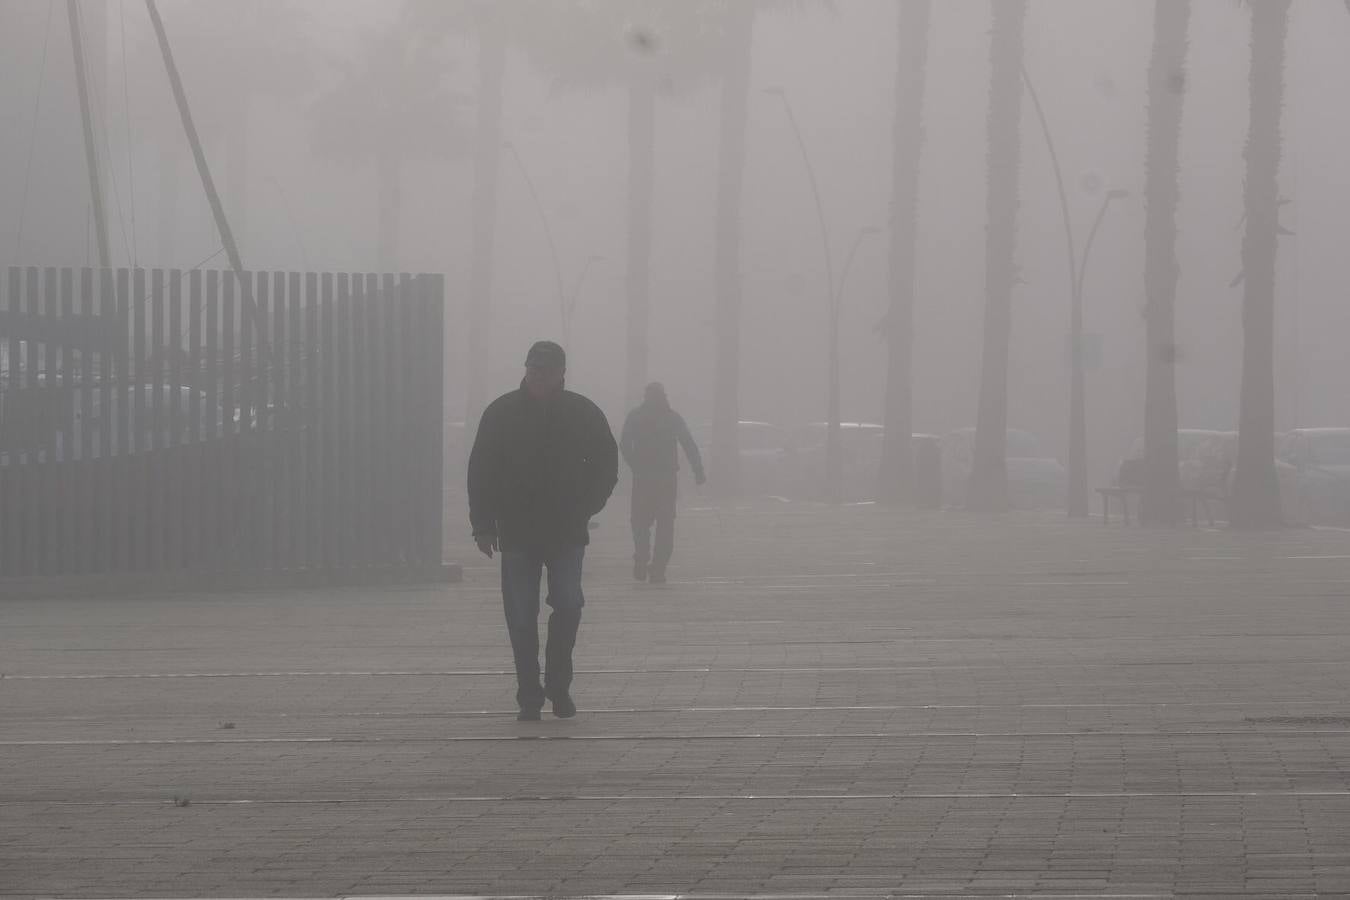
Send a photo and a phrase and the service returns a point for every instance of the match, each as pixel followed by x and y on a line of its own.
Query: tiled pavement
pixel 844 703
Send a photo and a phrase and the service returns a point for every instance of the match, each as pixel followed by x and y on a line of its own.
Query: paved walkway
pixel 849 703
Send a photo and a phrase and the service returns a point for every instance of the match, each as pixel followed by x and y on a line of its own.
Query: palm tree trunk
pixel 487 170
pixel 988 488
pixel 724 462
pixel 1161 500
pixel 1256 493
pixel 641 183
pixel 390 201
pixel 896 475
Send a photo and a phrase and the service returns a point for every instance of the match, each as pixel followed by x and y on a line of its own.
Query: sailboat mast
pixel 91 158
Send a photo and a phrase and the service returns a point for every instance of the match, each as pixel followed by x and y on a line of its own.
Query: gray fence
pixel 158 420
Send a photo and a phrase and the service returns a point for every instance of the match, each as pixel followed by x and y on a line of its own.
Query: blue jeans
pixel 521 572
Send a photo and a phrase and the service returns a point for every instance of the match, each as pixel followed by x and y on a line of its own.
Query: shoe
pixel 640 571
pixel 528 714
pixel 563 707
pixel 656 576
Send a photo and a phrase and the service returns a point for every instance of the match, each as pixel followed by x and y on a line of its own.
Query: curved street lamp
pixel 567 302
pixel 568 309
pixel 834 297
pixel 1078 487
pixel 510 148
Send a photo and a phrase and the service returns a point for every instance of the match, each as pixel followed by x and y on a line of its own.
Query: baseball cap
pixel 546 355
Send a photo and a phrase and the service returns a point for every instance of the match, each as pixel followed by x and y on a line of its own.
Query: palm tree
pixel 896 475
pixel 486 186
pixel 669 43
pixel 1256 493
pixel 643 46
pixel 647 48
pixel 735 23
pixel 724 456
pixel 390 106
pixel 988 488
pixel 637 38
pixel 1161 500
pixel 495 24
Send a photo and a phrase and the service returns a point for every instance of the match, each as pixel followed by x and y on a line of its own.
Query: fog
pixel 884 322
pixel 296 109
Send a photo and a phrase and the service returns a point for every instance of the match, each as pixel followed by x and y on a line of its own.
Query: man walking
pixel 650 434
pixel 544 461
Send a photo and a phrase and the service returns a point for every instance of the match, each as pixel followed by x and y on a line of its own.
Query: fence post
pixel 433 412
pixel 86 507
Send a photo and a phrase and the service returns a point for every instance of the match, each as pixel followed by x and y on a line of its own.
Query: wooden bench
pixel 1196 501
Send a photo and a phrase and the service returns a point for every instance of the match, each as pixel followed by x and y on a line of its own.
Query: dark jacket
pixel 539 470
pixel 650 434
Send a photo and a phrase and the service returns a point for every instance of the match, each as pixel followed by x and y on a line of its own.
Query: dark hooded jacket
pixel 650 435
pixel 540 469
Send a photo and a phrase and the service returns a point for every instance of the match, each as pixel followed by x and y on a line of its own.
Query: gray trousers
pixel 654 505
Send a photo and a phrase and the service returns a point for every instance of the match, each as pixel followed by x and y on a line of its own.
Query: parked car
pixel 860 445
pixel 1315 482
pixel 81 422
pixel 764 456
pixel 1035 480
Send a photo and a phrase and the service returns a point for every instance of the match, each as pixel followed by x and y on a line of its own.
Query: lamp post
pixel 1078 486
pixel 834 464
pixel 834 295
pixel 543 218
pixel 567 302
pixel 568 309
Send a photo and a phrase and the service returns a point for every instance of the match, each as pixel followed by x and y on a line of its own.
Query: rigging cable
pixel 126 111
pixel 100 126
pixel 183 335
pixel 32 138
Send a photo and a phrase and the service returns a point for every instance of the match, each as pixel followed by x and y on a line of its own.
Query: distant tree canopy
pixel 393 96
pixel 593 44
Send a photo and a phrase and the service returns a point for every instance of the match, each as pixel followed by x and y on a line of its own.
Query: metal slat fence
pixel 165 421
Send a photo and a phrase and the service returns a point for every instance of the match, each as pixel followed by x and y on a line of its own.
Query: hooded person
pixel 648 443
pixel 543 463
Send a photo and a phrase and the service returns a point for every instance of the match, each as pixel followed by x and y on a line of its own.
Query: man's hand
pixel 487 544
pixel 700 479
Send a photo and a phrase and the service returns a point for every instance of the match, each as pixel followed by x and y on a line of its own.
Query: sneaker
pixel 528 714
pixel 640 571
pixel 563 707
pixel 657 576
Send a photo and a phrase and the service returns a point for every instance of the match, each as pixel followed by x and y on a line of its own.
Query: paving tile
pixel 821 700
